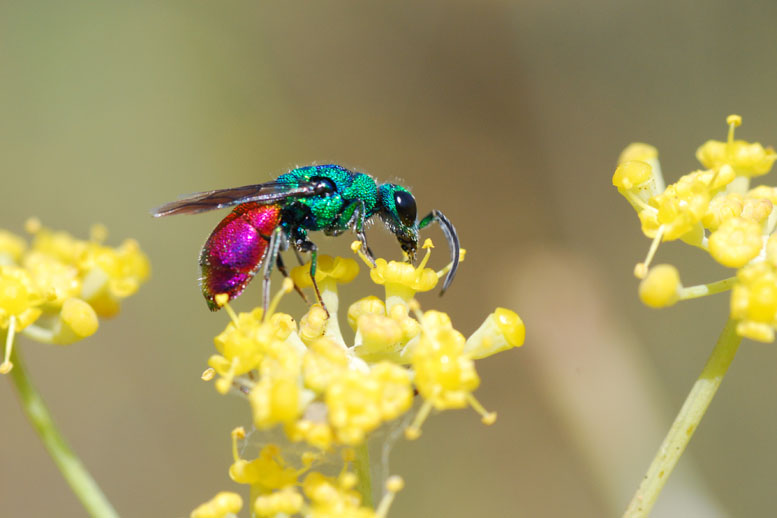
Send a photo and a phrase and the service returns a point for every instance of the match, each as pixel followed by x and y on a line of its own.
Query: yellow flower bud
pixel 340 269
pixel 368 305
pixel 502 329
pixel 286 502
pixel 76 321
pixel 736 242
pixel 223 504
pixel 661 286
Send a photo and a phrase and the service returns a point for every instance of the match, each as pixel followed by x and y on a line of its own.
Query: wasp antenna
pixel 453 243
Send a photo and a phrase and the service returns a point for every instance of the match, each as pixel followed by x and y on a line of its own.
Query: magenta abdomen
pixel 235 249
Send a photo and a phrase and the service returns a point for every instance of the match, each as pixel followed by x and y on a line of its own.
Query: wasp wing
pixel 263 193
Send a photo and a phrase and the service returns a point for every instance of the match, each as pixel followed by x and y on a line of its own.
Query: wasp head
pixel 397 209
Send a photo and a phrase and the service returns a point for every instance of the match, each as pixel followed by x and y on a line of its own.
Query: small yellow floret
pixel 736 242
pixel 313 324
pixel 325 361
pixel 631 174
pixel 403 274
pixel 18 298
pixel 380 336
pixel 723 208
pixel 395 484
pixel 285 502
pixel 77 320
pixel 268 471
pixel 340 269
pixel 638 151
pixel 371 305
pixel 11 247
pixel 445 375
pixel 754 301
pixel 352 402
pixel 682 205
pixel 111 274
pixel 746 158
pixel 222 505
pixel 502 329
pixel 396 393
pixel 661 287
pixel 276 399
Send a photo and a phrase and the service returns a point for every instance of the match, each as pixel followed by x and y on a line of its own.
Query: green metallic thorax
pixel 332 213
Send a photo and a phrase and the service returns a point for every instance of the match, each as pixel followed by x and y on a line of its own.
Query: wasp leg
pixel 282 268
pixel 273 254
pixel 303 245
pixel 357 224
pixel 299 257
pixel 453 242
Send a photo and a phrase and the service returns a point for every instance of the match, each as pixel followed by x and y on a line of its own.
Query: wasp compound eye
pixel 405 204
pixel 324 186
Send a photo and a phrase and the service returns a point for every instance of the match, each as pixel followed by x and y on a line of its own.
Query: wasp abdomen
pixel 235 249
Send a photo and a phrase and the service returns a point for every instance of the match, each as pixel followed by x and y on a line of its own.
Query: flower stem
pixel 80 481
pixel 362 467
pixel 685 423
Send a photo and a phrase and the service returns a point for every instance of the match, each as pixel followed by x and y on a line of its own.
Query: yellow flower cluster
pixel 716 210
pixel 54 289
pixel 329 395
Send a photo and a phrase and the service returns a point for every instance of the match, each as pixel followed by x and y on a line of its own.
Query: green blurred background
pixel 507 116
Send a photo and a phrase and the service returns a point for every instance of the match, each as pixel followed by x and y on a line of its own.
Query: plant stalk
pixel 685 423
pixel 74 472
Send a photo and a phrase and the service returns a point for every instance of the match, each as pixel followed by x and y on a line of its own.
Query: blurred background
pixel 507 116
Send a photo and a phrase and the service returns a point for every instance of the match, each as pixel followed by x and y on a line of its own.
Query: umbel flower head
pixel 328 395
pixel 714 209
pixel 55 289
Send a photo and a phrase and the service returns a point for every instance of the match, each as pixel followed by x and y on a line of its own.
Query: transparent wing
pixel 263 193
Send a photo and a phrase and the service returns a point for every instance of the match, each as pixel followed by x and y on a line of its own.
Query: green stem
pixel 685 423
pixel 702 290
pixel 80 481
pixel 362 467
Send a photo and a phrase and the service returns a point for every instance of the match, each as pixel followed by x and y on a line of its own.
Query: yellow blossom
pixel 325 361
pixel 340 269
pixel 402 280
pixel 371 305
pixel 395 392
pixel 444 374
pixel 661 287
pixel 76 320
pixel 754 302
pixel 747 159
pixel 19 298
pixel 240 347
pixel 223 505
pixel 502 329
pixel 736 242
pixel 44 288
pixel 330 499
pixel 11 247
pixel 268 471
pixel 409 326
pixel 352 402
pixel 378 337
pixel 112 274
pixel 313 324
pixel 327 393
pixel 285 502
pixel 316 432
pixel 680 208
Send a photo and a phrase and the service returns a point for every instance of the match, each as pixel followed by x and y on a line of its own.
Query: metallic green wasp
pixel 270 217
